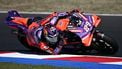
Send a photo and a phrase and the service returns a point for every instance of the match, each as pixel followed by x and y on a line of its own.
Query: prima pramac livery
pixel 73 31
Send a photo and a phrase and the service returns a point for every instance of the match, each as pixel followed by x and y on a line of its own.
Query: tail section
pixel 12 22
pixel 13 13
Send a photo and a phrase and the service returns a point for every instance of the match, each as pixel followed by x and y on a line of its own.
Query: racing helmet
pixel 52 34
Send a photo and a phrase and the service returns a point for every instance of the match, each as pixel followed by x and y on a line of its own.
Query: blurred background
pixel 91 6
pixel 111 25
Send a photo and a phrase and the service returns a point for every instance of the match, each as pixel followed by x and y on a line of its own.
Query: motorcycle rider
pixel 37 35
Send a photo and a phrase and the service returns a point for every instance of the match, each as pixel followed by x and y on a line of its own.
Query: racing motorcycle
pixel 80 34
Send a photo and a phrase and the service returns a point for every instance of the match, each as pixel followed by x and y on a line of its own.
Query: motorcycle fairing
pixel 86 33
pixel 32 39
pixel 84 30
pixel 95 20
pixel 62 24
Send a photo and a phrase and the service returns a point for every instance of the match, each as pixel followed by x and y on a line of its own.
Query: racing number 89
pixel 87 26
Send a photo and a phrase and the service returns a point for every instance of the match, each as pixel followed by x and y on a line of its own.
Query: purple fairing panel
pixel 86 27
pixel 37 34
pixel 16 26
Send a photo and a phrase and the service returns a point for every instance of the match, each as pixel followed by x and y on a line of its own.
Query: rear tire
pixel 22 38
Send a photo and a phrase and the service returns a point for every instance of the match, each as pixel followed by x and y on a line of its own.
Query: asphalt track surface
pixel 111 25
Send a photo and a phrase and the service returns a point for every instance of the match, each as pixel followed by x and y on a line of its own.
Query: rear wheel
pixel 22 38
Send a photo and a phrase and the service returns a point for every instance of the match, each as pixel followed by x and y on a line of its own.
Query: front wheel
pixel 103 44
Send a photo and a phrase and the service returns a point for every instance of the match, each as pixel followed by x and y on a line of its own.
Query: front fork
pixel 100 34
pixel 97 35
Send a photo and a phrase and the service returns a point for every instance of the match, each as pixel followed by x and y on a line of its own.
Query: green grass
pixel 92 6
pixel 4 65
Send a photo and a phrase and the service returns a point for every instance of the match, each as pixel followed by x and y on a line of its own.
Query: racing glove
pixel 57 50
pixel 43 46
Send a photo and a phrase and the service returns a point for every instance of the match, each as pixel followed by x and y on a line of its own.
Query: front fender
pixel 96 20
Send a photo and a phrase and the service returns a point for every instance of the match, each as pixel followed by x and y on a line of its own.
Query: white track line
pixel 29 12
pixel 115 63
pixel 34 56
pixel 51 12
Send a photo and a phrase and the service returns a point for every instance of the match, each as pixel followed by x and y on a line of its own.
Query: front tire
pixel 104 45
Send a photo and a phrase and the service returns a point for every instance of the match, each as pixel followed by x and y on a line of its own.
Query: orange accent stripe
pixel 33 25
pixel 96 20
pixel 87 40
pixel 83 16
pixel 20 20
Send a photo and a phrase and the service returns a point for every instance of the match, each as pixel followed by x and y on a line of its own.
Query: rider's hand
pixel 50 50
pixel 43 46
pixel 57 50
